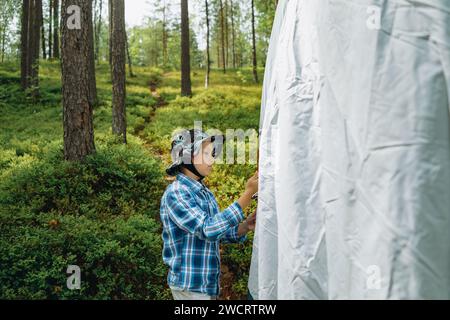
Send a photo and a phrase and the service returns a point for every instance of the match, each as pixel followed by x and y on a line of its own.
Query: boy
pixel 193 226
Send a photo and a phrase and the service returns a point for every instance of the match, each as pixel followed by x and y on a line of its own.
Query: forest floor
pixel 28 130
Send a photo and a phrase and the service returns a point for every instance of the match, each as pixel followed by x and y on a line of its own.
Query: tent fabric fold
pixel 354 199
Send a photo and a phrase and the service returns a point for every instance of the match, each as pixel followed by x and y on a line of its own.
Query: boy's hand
pixel 250 189
pixel 252 184
pixel 251 221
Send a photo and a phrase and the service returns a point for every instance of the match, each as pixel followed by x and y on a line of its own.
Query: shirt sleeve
pixel 232 236
pixel 189 216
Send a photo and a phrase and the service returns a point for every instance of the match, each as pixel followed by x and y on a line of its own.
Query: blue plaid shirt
pixel 193 227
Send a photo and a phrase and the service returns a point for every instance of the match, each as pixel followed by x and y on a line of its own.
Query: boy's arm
pixel 188 216
pixel 236 234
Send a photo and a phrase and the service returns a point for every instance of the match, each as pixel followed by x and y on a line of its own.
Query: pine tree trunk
pixel 24 43
pixel 164 36
pixel 130 63
pixel 3 44
pixel 110 8
pixel 186 89
pixel 233 35
pixel 92 78
pixel 255 65
pixel 77 110
pixel 50 28
pixel 98 33
pixel 222 37
pixel 227 46
pixel 208 58
pixel 34 32
pixel 56 29
pixel 119 124
pixel 218 54
pixel 44 51
pixel 94 8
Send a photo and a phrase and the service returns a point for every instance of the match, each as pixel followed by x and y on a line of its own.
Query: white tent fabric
pixel 354 199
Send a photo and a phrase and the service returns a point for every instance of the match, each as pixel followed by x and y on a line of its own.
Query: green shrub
pixel 100 214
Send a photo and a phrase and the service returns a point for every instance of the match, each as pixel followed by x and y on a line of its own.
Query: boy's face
pixel 204 160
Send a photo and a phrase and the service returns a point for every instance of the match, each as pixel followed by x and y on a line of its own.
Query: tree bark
pixel 130 63
pixel 255 64
pixel 50 29
pixel 164 38
pixel 41 14
pixel 3 44
pixel 208 58
pixel 186 89
pixel 24 44
pixel 56 43
pixel 233 35
pixel 119 124
pixel 92 78
pixel 222 37
pixel 77 109
pixel 34 30
pixel 110 8
pixel 98 32
pixel 227 46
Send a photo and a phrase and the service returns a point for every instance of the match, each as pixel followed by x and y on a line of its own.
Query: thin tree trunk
pixel 44 51
pixel 98 33
pixel 118 43
pixel 92 77
pixel 77 109
pixel 50 29
pixel 130 64
pixel 3 44
pixel 208 59
pixel 34 32
pixel 186 89
pixel 227 46
pixel 24 44
pixel 255 64
pixel 94 8
pixel 222 37
pixel 233 35
pixel 164 26
pixel 56 29
pixel 218 53
pixel 110 8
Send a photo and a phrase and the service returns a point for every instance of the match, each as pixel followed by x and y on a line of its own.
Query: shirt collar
pixel 195 185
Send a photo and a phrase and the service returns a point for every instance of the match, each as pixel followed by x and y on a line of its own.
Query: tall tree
pixel 255 64
pixel 118 43
pixel 41 15
pixel 233 35
pixel 91 60
pixel 56 43
pixel 98 32
pixel 222 37
pixel 208 58
pixel 32 47
pixel 164 34
pixel 50 29
pixel 3 44
pixel 227 46
pixel 130 63
pixel 24 70
pixel 186 89
pixel 77 108
pixel 110 7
